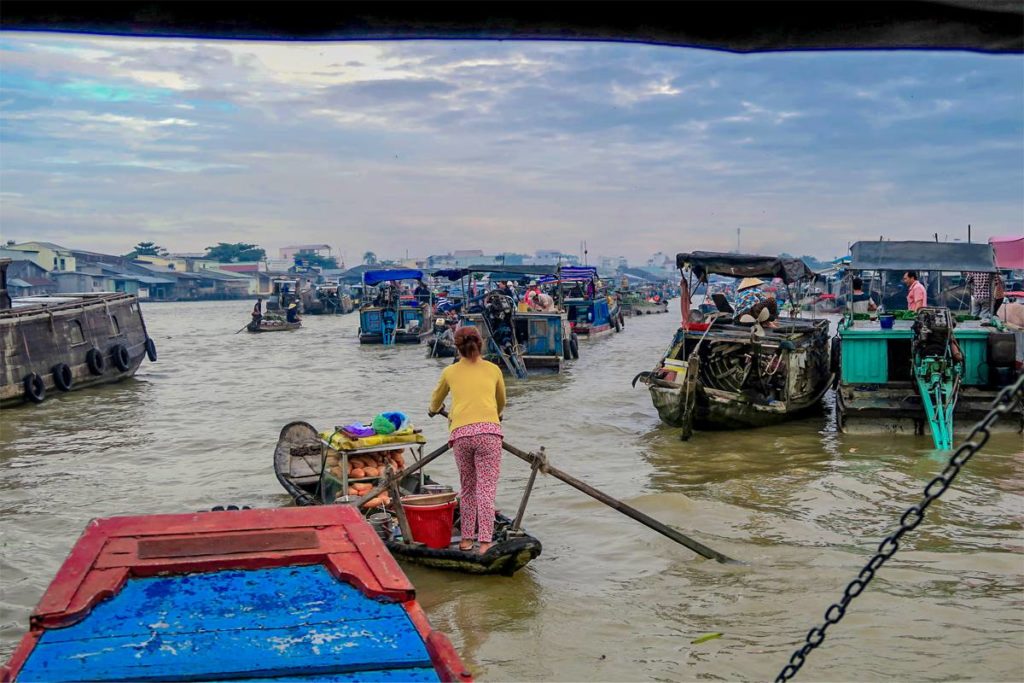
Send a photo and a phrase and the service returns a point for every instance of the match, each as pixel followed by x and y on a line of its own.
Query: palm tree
pixel 370 259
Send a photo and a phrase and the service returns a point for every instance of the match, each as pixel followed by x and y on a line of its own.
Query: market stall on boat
pixel 382 475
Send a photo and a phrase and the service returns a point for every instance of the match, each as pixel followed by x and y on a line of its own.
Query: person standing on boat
pixel 861 301
pixel 478 399
pixel 257 312
pixel 981 292
pixel 422 293
pixel 917 296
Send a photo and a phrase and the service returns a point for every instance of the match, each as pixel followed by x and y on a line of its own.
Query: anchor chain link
pixel 913 516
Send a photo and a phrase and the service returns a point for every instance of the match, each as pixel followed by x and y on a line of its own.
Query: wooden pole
pixel 627 510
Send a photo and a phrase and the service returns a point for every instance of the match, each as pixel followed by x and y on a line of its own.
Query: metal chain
pixel 909 520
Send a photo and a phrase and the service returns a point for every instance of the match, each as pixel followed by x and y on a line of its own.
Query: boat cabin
pixel 385 315
pixel 589 310
pixel 892 378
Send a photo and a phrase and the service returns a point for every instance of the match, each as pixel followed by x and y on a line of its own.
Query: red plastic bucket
pixel 431 524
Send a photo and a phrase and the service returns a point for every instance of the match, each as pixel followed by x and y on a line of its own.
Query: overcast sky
pixel 428 146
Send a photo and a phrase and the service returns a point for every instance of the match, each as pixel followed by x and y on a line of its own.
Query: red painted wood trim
pixel 442 653
pixel 9 672
pixel 74 570
pixel 380 561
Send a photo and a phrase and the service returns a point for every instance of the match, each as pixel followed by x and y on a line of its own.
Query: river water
pixel 608 599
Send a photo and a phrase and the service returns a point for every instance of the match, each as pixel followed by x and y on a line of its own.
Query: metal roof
pixel 924 256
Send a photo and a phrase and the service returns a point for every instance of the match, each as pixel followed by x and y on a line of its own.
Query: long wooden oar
pixel 629 511
pixel 650 522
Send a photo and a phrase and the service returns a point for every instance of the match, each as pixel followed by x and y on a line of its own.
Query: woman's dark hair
pixel 469 342
pixel 857 283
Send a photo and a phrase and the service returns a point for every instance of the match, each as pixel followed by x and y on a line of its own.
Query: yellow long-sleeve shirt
pixel 478 393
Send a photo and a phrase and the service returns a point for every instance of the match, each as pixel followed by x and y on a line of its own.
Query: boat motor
pixel 937 369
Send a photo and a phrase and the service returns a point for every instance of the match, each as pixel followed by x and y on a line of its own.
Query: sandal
pixel 482 550
pixel 464 547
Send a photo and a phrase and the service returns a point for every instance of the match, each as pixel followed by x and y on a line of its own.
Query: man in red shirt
pixel 917 297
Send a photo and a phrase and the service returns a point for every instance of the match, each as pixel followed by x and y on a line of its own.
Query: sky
pixel 422 147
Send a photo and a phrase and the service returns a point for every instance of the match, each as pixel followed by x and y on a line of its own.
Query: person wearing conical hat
pixel 751 299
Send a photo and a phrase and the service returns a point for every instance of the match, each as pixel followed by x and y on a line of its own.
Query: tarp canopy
pixel 1009 251
pixel 572 274
pixel 923 256
pixel 498 272
pixel 744 265
pixel 375 277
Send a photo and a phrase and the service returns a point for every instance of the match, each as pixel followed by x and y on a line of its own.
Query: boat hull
pixel 510 552
pixel 725 391
pixel 283 594
pixel 286 327
pixel 37 338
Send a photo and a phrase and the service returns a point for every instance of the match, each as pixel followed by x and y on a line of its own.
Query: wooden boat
pixel 384 316
pixel 286 594
pixel 589 317
pixel 274 326
pixel 934 371
pixel 299 467
pixel 723 375
pixel 63 343
pixel 539 341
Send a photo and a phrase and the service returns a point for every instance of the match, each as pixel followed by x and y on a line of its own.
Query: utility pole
pixel 968 233
pixel 738 240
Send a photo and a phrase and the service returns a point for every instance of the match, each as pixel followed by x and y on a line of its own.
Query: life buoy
pixel 35 388
pixel 574 346
pixel 62 377
pixel 96 362
pixel 150 350
pixel 119 354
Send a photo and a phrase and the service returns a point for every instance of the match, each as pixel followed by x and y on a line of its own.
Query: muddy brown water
pixel 608 599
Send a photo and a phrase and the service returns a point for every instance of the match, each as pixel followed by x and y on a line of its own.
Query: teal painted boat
pixel 932 371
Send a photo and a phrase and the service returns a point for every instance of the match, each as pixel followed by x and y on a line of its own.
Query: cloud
pixel 502 146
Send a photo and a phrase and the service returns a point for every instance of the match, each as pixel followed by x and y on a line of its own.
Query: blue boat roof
pixel 284 623
pixel 375 277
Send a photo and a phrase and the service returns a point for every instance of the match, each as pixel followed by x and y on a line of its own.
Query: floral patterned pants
pixel 479 460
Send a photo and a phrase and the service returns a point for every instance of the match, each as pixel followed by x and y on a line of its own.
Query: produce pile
pixel 363 466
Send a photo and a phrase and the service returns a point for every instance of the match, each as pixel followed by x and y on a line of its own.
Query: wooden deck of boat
pixel 286 594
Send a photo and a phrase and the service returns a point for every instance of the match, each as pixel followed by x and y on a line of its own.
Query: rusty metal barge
pixel 52 344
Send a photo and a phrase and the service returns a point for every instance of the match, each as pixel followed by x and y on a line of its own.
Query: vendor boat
pixel 386 317
pixel 326 299
pixel 273 325
pixel 591 312
pixel 721 374
pixel 301 466
pixel 61 343
pixel 274 595
pixel 933 371
pixel 522 342
pixel 651 300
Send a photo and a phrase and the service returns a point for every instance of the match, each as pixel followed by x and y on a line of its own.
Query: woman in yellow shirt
pixel 478 398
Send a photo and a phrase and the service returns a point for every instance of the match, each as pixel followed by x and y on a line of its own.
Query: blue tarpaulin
pixel 375 277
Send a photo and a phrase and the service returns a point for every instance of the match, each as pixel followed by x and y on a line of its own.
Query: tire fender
pixel 574 346
pixel 150 349
pixel 62 376
pixel 35 388
pixel 96 362
pixel 119 354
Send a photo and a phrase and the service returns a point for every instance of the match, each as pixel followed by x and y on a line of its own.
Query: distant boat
pixel 283 594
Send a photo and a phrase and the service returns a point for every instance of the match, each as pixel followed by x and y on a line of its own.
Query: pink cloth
pixel 917 297
pixel 478 456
